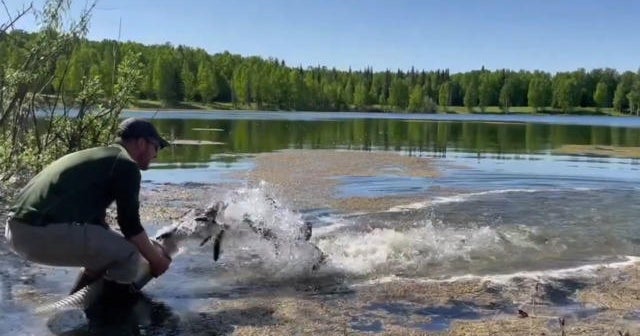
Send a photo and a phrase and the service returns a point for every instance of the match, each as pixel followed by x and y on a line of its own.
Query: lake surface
pixel 504 202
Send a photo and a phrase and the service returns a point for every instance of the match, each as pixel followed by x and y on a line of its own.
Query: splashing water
pixel 266 237
pixel 388 251
pixel 486 233
pixel 264 211
pixel 454 237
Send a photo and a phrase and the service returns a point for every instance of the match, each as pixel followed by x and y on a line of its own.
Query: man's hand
pixel 159 265
pixel 155 256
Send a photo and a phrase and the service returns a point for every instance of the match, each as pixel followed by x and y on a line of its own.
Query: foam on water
pixel 467 196
pixel 388 251
pixel 506 278
pixel 564 273
pixel 410 206
pixel 332 224
pixel 458 198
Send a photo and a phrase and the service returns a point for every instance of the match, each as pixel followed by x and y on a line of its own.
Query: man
pixel 59 217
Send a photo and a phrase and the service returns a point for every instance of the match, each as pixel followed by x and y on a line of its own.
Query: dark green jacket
pixel 80 186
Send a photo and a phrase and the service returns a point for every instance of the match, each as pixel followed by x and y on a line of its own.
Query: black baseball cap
pixel 134 128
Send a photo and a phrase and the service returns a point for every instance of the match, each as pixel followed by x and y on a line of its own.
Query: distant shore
pixel 154 105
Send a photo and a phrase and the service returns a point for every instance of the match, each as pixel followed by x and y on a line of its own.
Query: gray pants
pixel 93 247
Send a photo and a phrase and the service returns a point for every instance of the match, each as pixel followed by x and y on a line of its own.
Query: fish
pixel 305 232
pixel 197 224
pixel 202 225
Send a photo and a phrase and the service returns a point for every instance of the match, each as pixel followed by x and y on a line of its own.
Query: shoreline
pixel 459 110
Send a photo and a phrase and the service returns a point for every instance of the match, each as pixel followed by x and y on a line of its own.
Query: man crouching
pixel 59 217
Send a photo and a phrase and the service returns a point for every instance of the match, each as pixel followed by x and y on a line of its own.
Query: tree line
pixel 176 74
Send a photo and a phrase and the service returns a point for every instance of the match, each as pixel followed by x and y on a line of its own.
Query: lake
pixel 504 201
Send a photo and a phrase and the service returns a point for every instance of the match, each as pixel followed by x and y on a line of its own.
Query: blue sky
pixel 460 35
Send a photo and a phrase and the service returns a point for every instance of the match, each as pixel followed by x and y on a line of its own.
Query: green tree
pixel 620 101
pixel 242 85
pixel 417 99
pixel 78 69
pixel 566 93
pixel 146 87
pixel 609 77
pixel 506 95
pixel 489 90
pixel 189 81
pixel 634 97
pixel 485 93
pixel 539 93
pixel 581 87
pixel 207 85
pixel 107 65
pixel 601 96
pixel 361 96
pixel 376 92
pixel 298 98
pixel 444 95
pixel 166 82
pixel 634 102
pixel 347 93
pixel 471 94
pixel 398 94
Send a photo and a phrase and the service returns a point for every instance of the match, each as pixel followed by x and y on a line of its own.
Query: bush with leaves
pixel 36 126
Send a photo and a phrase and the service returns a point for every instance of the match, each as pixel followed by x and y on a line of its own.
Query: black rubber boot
pixel 113 308
pixel 84 279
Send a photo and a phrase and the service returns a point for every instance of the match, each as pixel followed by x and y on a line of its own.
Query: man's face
pixel 148 150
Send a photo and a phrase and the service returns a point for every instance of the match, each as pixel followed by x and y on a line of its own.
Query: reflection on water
pixel 523 146
pixel 240 134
